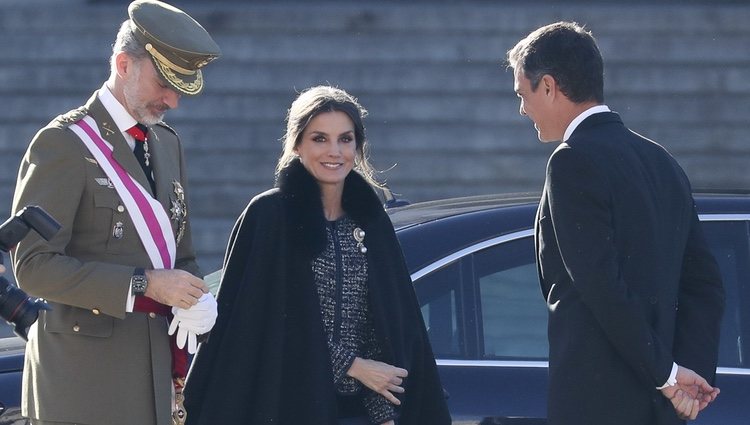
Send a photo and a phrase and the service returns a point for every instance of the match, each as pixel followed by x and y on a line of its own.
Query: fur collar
pixel 301 193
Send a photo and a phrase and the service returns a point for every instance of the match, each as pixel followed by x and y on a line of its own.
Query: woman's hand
pixel 391 422
pixel 380 377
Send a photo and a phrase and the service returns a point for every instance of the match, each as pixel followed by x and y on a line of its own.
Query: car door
pixel 728 237
pixel 486 320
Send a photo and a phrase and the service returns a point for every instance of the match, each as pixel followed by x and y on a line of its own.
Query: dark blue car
pixel 472 263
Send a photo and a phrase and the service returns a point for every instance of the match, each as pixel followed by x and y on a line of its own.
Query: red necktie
pixel 139 132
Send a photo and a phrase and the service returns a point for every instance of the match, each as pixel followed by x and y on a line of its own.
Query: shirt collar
pixel 123 120
pixel 583 115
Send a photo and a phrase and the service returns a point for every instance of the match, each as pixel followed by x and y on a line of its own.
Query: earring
pixel 359 236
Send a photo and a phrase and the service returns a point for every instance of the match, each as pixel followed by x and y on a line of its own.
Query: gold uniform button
pixel 120 208
pixel 96 311
pixel 152 315
pixel 76 328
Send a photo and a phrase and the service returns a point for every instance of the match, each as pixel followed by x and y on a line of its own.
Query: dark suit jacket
pixel 629 281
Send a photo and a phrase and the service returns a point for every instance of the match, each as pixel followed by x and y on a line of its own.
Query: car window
pixel 440 299
pixel 486 305
pixel 513 311
pixel 6 330
pixel 728 241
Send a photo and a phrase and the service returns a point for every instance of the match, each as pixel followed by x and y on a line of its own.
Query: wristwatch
pixel 138 282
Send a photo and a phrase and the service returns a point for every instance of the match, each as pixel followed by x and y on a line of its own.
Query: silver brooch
pixel 359 236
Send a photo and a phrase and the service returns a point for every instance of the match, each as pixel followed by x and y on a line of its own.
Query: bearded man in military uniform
pixel 123 267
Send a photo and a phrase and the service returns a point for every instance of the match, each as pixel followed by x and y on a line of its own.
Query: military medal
pixel 179 209
pixel 179 414
pixel 146 155
pixel 359 236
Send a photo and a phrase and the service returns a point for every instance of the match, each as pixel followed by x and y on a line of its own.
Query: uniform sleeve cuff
pixel 130 303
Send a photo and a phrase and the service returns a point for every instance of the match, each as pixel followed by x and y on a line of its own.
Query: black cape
pixel 267 361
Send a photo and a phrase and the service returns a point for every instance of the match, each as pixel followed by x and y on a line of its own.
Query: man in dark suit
pixel 634 295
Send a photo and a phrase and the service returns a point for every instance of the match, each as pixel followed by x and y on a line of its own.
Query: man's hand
pixel 380 377
pixel 176 288
pixel 691 394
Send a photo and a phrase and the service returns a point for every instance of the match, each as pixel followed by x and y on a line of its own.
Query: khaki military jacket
pixel 87 360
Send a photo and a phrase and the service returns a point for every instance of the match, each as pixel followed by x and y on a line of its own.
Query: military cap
pixel 177 44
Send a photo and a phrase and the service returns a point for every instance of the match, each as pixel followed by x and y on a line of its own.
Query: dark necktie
pixel 140 134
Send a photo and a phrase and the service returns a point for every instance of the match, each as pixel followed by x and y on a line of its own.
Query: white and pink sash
pixel 148 215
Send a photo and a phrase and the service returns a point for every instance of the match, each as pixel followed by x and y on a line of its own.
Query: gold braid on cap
pixel 180 84
pixel 161 58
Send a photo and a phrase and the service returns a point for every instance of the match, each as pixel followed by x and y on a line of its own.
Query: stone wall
pixel 443 116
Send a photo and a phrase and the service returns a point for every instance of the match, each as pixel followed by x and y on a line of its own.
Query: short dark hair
pixel 567 52
pixel 128 43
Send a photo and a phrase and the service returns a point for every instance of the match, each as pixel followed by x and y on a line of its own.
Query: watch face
pixel 139 284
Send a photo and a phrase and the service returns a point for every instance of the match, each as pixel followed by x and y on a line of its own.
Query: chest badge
pixel 178 209
pixel 118 230
pixel 103 181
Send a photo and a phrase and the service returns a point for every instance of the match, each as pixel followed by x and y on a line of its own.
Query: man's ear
pixel 548 84
pixel 122 64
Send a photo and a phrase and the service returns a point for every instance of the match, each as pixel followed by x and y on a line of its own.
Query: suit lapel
pixel 121 151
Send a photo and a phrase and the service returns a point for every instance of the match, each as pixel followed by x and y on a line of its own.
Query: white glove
pixel 197 320
pixel 183 336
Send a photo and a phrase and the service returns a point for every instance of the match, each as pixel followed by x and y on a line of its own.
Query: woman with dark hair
pixel 318 321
